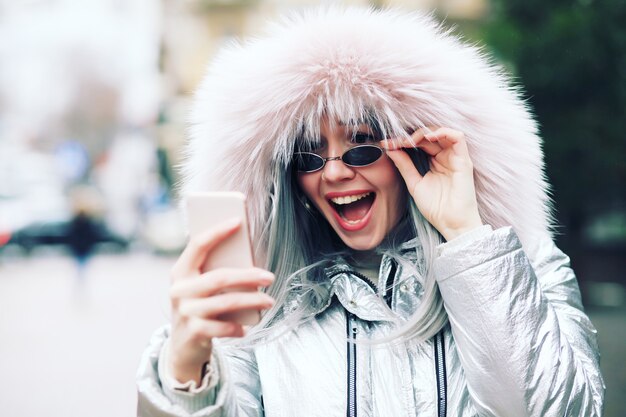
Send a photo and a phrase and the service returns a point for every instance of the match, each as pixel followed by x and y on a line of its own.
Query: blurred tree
pixel 570 56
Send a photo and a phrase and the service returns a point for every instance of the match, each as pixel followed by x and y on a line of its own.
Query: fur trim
pixel 401 68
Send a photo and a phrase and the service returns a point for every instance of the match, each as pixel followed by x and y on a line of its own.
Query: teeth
pixel 348 198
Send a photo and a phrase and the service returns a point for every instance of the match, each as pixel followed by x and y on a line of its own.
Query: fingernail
pixel 266 278
pixel 265 282
pixel 390 145
pixel 266 275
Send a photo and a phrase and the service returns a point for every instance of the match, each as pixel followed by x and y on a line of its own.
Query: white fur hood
pixel 401 68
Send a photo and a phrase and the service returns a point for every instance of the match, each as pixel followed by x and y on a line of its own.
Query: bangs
pixel 307 136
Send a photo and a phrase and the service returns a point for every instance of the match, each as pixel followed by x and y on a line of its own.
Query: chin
pixel 361 243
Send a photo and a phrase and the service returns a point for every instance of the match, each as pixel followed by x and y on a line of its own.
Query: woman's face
pixel 361 204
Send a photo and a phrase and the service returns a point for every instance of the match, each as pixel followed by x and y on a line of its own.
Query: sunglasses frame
pixel 340 158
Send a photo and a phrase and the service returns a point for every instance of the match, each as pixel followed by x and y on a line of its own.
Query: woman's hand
pixel 445 195
pixel 198 299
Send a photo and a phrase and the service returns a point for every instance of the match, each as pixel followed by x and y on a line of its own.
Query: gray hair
pixel 295 258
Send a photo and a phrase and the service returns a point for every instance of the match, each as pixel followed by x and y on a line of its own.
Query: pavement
pixel 70 344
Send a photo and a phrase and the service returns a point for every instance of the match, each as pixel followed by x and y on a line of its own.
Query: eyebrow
pixel 356 125
pixel 371 123
pixel 353 122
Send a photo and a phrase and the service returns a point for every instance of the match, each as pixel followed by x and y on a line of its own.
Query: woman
pixel 400 222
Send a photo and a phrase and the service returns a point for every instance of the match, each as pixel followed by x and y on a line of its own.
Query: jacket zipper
pixel 351 331
pixel 389 291
pixel 440 365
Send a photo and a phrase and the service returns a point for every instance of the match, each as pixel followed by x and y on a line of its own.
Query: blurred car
pixel 61 234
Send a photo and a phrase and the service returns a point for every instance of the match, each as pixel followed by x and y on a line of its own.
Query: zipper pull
pixel 352 324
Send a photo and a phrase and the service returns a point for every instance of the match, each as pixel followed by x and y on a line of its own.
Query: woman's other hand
pixel 445 195
pixel 199 298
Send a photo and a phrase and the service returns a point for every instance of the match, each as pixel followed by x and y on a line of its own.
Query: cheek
pixel 401 203
pixel 308 185
pixel 393 183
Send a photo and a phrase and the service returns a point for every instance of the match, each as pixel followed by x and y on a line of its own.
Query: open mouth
pixel 352 209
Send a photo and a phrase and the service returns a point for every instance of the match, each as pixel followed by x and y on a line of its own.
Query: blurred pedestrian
pixel 84 230
pixel 83 233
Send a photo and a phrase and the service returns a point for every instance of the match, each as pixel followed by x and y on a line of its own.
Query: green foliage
pixel 570 57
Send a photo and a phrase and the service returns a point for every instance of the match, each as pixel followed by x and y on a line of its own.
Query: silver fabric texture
pixel 518 344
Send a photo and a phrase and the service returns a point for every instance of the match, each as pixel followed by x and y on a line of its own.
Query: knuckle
pixel 453 133
pixel 239 301
pixel 196 329
pixel 228 328
pixel 174 294
pixel 239 331
pixel 184 310
pixel 198 337
pixel 230 302
pixel 179 321
pixel 247 300
pixel 215 279
pixel 236 330
pixel 234 327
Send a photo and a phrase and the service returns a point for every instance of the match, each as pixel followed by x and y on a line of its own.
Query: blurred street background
pixel 93 103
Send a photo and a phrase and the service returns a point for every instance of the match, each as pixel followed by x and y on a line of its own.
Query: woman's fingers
pixel 447 137
pixel 455 155
pixel 195 253
pixel 446 146
pixel 418 139
pixel 431 139
pixel 429 147
pixel 411 141
pixel 218 280
pixel 202 329
pixel 407 168
pixel 212 307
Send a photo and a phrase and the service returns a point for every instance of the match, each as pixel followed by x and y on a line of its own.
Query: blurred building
pixel 76 78
pixel 95 94
pixel 86 70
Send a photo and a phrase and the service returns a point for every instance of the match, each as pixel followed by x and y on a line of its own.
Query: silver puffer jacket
pixel 518 344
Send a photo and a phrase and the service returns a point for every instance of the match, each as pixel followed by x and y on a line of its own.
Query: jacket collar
pixel 355 293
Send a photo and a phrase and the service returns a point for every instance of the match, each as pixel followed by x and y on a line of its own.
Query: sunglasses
pixel 359 156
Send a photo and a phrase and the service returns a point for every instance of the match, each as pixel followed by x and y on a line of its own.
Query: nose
pixel 335 170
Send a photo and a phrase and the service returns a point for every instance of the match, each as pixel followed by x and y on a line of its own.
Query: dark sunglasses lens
pixel 362 155
pixel 307 162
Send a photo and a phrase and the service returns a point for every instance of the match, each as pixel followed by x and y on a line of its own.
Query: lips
pixel 352 209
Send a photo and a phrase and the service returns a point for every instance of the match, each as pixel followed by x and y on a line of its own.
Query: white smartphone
pixel 206 210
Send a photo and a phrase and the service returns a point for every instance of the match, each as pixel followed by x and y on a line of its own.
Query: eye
pixel 362 138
